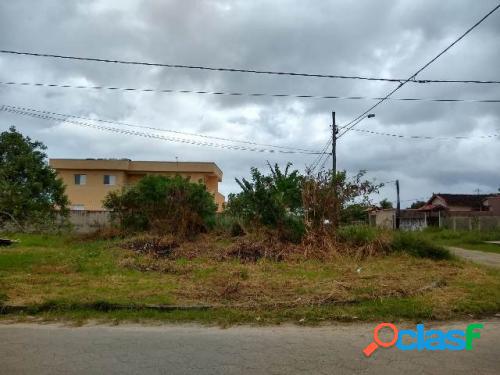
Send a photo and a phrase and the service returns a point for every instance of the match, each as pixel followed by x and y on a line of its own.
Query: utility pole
pixel 335 131
pixel 398 206
pixel 334 146
pixel 335 219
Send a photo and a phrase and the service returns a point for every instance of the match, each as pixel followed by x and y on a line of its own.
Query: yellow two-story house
pixel 89 180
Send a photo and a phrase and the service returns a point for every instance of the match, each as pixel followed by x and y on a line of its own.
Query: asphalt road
pixel 337 349
pixel 482 257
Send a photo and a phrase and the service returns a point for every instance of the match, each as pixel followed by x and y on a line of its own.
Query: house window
pixel 109 180
pixel 80 179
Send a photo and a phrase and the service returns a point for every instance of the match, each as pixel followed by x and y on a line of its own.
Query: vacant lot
pixel 57 277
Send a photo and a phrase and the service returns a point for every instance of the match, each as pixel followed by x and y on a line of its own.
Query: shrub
pixel 273 201
pixel 416 245
pixel 358 235
pixel 229 225
pixel 163 205
pixel 329 199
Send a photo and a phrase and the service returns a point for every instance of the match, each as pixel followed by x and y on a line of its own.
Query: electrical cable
pixel 238 70
pixel 161 129
pixel 355 121
pixel 426 137
pixel 18 110
pixel 230 93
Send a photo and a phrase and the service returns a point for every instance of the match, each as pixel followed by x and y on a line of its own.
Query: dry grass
pixel 196 274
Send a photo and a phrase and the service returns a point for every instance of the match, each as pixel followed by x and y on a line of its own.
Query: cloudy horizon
pixel 381 39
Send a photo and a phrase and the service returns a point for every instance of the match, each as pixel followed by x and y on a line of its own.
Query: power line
pixel 317 161
pixel 232 93
pixel 36 114
pixel 426 137
pixel 160 129
pixel 414 199
pixel 354 122
pixel 387 182
pixel 325 161
pixel 238 70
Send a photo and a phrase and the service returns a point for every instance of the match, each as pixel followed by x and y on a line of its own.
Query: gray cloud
pixel 383 38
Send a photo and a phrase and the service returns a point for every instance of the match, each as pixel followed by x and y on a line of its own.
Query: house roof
pixel 131 166
pixel 465 200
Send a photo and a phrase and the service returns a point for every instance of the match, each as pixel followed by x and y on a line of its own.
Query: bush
pixel 229 225
pixel 273 201
pixel 358 235
pixel 293 229
pixel 415 244
pixel 163 205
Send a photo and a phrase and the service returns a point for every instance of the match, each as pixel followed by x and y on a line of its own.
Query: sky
pixel 390 39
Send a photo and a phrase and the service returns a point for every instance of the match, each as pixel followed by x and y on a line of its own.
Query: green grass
pixel 417 245
pixel 388 309
pixel 471 240
pixel 62 278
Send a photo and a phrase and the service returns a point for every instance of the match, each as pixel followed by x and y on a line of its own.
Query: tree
pixel 30 191
pixel 273 200
pixel 417 204
pixel 163 205
pixel 385 204
pixel 323 209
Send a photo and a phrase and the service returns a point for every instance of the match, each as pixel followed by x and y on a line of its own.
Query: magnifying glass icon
pixel 376 343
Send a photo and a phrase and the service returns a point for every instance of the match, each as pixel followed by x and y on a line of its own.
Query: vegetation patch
pixel 471 240
pixel 419 246
pixel 52 277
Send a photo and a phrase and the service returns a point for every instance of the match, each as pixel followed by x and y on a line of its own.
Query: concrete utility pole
pixel 334 145
pixel 335 218
pixel 335 131
pixel 398 206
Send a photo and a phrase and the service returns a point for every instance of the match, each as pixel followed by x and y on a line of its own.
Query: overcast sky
pixel 372 38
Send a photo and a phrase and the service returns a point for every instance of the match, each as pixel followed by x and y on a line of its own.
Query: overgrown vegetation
pixel 417 245
pixel 273 201
pixel 54 277
pixel 299 206
pixel 282 251
pixel 163 205
pixel 327 198
pixel 32 197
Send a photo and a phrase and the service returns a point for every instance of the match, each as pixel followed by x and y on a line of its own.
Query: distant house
pixel 454 211
pixel 410 219
pixel 457 202
pixel 382 217
pixel 88 181
pixel 492 204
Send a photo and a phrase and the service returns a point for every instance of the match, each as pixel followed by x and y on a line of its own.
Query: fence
pixel 86 221
pixel 455 220
pixel 471 221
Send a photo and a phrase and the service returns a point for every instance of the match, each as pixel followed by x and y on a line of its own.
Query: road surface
pixel 482 257
pixel 337 349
